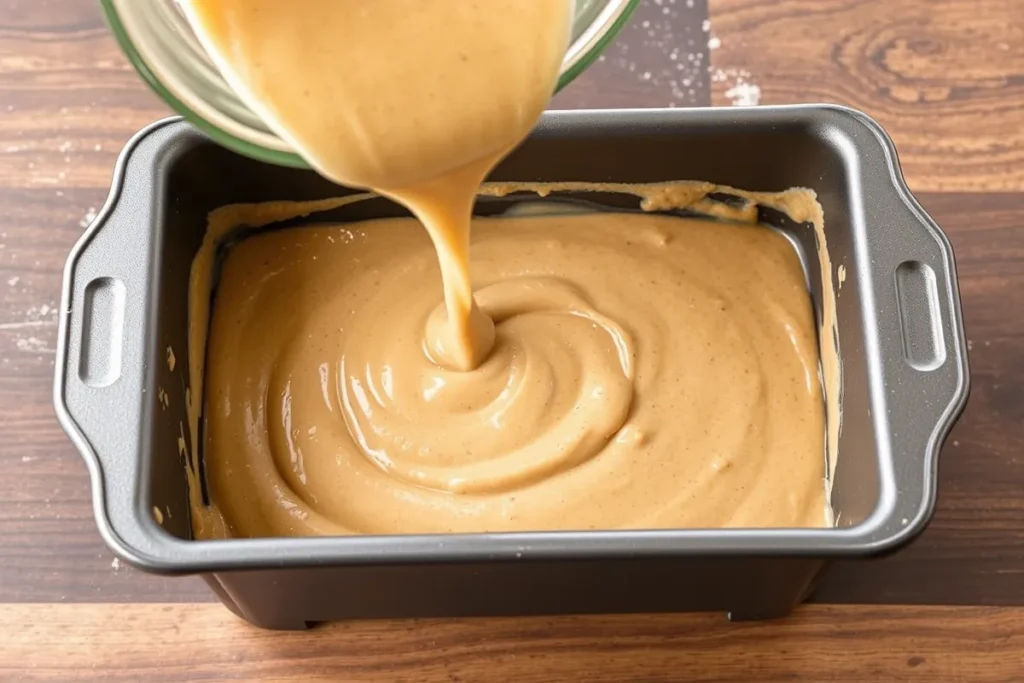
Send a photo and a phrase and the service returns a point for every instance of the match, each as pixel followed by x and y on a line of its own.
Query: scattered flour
pixel 744 95
pixel 742 91
pixel 33 345
pixel 665 51
pixel 36 317
pixel 88 218
pixel 45 313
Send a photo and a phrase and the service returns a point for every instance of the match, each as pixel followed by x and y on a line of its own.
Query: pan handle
pixel 101 363
pixel 925 375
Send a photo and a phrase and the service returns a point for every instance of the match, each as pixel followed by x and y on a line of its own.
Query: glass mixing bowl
pixel 159 43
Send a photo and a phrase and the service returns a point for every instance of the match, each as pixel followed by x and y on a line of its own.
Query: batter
pixel 647 372
pixel 614 370
pixel 415 99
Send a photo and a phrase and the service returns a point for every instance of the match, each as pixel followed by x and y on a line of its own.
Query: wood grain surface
pixel 945 77
pixel 165 643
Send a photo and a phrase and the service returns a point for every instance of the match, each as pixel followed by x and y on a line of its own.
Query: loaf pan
pixel 903 360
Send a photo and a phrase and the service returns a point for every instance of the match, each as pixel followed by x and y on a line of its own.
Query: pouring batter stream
pixel 611 370
pixel 416 99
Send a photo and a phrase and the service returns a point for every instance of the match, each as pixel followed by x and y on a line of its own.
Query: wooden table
pixel 945 77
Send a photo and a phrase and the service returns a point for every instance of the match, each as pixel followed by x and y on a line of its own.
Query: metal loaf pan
pixel 903 357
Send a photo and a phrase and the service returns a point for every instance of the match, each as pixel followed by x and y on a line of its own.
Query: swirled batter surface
pixel 647 371
pixel 588 371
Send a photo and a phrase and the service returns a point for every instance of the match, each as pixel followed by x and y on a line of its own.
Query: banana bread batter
pixel 613 370
pixel 647 371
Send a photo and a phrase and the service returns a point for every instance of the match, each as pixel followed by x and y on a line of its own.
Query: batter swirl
pixel 687 397
pixel 589 371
